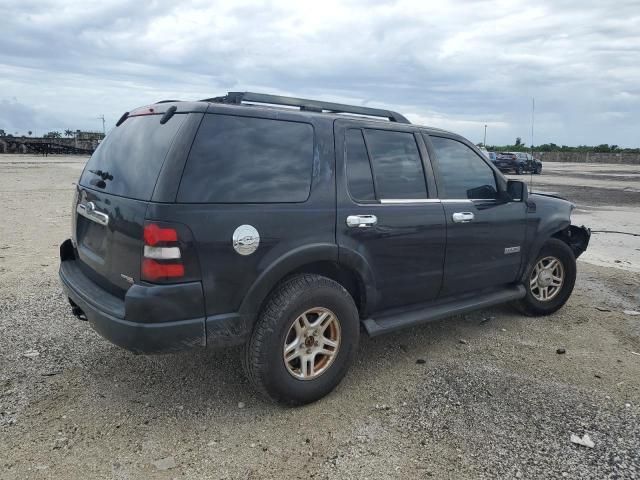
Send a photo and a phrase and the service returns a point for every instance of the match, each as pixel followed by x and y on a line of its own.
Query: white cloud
pixel 452 64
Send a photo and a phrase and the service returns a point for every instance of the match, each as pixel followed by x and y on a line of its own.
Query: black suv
pixel 287 225
pixel 518 163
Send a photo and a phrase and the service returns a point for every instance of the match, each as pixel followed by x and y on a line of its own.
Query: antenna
pixel 533 111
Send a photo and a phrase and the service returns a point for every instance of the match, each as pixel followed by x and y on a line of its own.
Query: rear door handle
pixel 89 211
pixel 362 221
pixel 463 217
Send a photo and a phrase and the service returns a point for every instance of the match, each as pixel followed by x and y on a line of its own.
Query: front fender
pixel 546 216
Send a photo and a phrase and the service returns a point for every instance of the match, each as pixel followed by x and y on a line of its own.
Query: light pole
pixel 484 143
pixel 101 117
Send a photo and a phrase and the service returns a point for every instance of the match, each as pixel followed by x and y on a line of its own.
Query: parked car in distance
pixel 492 156
pixel 235 221
pixel 518 163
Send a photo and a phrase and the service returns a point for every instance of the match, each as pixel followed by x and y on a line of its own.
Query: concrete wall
pixel 589 157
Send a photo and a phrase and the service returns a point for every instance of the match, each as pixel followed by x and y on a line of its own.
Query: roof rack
pixel 237 98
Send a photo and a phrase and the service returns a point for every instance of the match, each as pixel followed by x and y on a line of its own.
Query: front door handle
pixel 362 221
pixel 463 217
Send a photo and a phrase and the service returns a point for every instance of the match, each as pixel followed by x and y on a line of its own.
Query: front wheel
pixel 550 280
pixel 304 341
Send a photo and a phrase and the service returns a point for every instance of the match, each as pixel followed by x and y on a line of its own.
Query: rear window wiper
pixel 103 176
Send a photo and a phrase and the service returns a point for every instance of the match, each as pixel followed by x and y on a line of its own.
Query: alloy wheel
pixel 312 343
pixel 546 279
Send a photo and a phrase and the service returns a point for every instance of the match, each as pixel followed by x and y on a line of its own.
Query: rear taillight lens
pixel 152 270
pixel 155 234
pixel 163 260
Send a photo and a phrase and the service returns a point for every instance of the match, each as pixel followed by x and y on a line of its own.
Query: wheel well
pixel 575 237
pixel 350 280
pixel 344 276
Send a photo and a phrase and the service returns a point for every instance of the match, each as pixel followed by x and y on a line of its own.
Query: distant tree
pixel 602 148
pixel 2 134
pixel 518 141
pixel 30 133
pixel 53 134
pixel 68 133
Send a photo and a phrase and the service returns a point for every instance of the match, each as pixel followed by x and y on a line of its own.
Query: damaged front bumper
pixel 578 239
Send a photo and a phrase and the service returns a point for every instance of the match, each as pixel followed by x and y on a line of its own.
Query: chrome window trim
pixel 409 200
pixel 467 200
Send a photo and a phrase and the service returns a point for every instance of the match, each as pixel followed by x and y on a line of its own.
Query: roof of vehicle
pixel 282 103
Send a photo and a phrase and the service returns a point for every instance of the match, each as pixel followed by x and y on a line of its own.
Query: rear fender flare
pixel 279 269
pixel 295 260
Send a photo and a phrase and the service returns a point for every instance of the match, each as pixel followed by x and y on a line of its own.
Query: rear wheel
pixel 519 170
pixel 304 341
pixel 550 279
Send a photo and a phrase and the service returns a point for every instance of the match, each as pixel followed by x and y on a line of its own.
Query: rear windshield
pixel 248 160
pixel 129 159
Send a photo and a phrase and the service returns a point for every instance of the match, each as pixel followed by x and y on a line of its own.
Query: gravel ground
pixel 478 396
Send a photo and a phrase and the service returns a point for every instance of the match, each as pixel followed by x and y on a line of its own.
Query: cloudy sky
pixel 456 65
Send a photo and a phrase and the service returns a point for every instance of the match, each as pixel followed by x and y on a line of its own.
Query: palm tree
pixel 68 133
pixel 30 132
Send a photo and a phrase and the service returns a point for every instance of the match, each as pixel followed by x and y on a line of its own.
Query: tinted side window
pixel 359 176
pixel 396 164
pixel 248 160
pixel 463 174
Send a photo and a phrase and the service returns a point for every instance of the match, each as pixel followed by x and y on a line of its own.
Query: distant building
pixel 89 136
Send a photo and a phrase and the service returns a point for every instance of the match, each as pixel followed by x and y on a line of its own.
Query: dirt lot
pixel 489 397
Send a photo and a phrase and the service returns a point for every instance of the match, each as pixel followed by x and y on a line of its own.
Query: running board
pixel 391 322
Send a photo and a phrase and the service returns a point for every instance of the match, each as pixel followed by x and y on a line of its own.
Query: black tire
pixel 538 170
pixel 263 359
pixel 519 170
pixel 530 305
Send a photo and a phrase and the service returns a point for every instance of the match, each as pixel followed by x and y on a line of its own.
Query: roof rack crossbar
pixel 307 105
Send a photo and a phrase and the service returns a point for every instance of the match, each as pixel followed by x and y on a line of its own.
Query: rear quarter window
pixel 248 160
pixel 129 159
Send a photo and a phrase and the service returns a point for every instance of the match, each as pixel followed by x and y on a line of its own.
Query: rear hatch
pixel 112 198
pixel 505 160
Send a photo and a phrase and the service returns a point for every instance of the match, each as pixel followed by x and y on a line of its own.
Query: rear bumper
pixel 507 167
pixel 151 318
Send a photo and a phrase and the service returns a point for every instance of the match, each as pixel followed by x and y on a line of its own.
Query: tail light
pixel 168 255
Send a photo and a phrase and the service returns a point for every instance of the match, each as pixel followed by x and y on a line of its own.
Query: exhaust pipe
pixel 77 311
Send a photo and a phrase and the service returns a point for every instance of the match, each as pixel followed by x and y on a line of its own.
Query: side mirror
pixel 517 191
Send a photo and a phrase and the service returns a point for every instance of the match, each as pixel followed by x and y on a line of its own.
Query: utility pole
pixel 533 111
pixel 101 117
pixel 484 143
